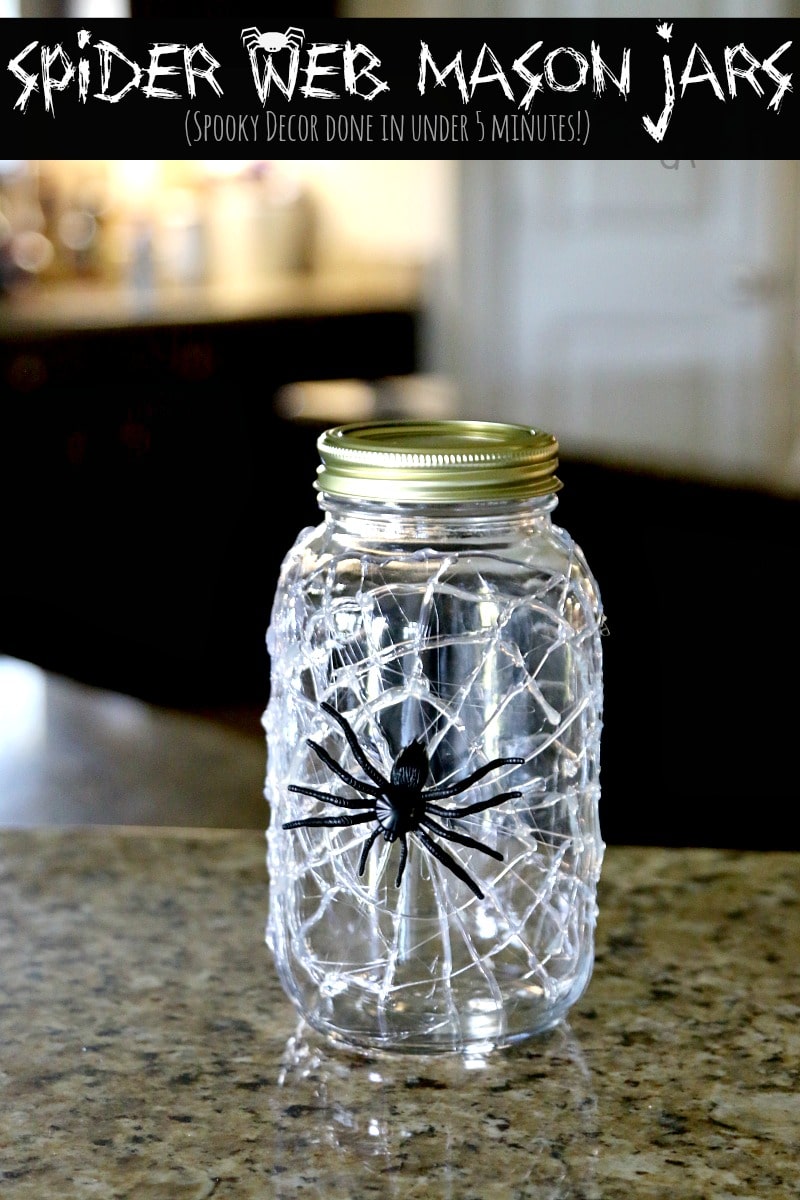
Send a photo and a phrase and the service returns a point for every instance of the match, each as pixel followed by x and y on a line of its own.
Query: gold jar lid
pixel 437 461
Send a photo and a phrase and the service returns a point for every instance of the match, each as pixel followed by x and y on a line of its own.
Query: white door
pixel 643 312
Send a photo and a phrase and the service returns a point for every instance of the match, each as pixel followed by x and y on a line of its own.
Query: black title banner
pixel 391 88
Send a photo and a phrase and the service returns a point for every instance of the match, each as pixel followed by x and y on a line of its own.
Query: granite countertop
pixel 147 1049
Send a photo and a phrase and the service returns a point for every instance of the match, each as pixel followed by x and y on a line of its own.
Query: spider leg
pixel 353 743
pixel 401 866
pixel 345 776
pixel 339 801
pixel 453 789
pixel 329 822
pixel 461 838
pixel 471 809
pixel 448 861
pixel 368 844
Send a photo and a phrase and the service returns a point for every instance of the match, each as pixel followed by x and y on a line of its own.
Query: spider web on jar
pixel 415 646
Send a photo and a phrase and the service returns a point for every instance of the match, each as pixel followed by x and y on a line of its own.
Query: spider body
pixel 401 808
pixel 272 41
pixel 401 805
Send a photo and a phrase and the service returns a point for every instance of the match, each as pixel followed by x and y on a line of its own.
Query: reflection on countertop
pixel 149 1050
pixel 90 306
pixel 71 754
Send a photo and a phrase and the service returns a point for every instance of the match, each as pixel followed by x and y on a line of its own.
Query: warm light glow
pixel 31 251
pixel 76 229
pixel 228 223
pixel 226 168
pixel 136 179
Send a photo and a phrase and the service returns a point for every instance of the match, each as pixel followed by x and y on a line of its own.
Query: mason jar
pixel 433 736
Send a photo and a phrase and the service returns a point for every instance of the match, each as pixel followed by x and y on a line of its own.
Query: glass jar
pixel 433 734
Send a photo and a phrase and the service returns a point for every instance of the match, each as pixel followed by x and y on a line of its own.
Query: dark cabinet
pixel 150 489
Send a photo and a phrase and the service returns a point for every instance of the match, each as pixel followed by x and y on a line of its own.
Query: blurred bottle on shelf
pixel 260 224
pixel 26 250
pixel 148 225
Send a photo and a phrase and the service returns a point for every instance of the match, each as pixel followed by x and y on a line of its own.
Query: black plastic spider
pixel 400 804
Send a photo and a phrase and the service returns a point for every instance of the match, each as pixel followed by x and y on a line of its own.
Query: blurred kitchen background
pixel 175 335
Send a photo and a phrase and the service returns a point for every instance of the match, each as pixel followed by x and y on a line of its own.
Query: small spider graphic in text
pixel 272 41
pixel 401 805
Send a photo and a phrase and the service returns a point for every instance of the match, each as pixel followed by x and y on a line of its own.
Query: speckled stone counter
pixel 148 1051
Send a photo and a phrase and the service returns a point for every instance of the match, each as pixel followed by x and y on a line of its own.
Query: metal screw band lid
pixel 437 461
